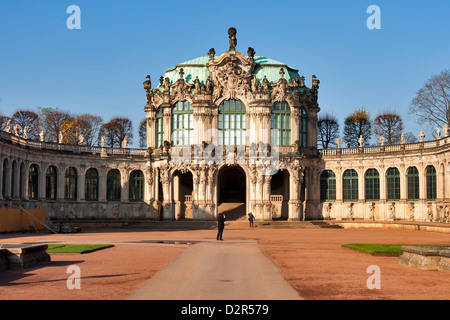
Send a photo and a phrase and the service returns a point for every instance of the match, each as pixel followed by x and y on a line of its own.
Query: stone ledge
pixel 20 256
pixel 426 257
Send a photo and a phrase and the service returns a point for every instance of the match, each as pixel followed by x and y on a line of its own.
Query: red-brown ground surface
pixel 312 260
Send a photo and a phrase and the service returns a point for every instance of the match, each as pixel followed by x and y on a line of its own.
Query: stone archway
pixel 231 193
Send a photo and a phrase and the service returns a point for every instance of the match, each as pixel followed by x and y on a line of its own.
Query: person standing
pixel 220 226
pixel 251 217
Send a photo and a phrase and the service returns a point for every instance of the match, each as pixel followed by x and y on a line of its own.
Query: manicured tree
pixel 389 125
pixel 357 124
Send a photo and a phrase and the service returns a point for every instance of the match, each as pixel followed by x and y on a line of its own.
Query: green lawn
pixel 76 248
pixel 380 249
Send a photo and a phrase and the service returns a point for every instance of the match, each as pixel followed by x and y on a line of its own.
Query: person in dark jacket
pixel 220 225
pixel 251 217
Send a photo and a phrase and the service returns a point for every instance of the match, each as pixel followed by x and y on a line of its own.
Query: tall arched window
pixel 113 185
pixel 303 128
pixel 70 184
pixel 350 185
pixel 91 185
pixel 232 123
pixel 412 178
pixel 372 184
pixel 327 186
pixel 280 124
pixel 430 174
pixel 393 184
pixel 159 127
pixel 182 124
pixel 136 186
pixel 51 181
pixel 33 182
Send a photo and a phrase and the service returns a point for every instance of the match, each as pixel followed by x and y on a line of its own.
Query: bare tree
pixel 143 133
pixel 52 121
pixel 432 102
pixel 116 130
pixel 389 125
pixel 28 119
pixel 327 131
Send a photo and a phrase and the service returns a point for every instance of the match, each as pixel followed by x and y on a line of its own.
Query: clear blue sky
pixel 100 68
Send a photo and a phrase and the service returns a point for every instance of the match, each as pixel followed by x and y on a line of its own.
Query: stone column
pixel 295 125
pixel 151 129
pixel 41 181
pixel 296 176
pixel 167 120
pixel 60 184
pixel 102 180
pixel 125 181
pixel 16 191
pixel 312 127
pixel 81 193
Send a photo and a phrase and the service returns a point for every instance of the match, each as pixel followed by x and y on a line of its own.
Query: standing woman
pixel 220 225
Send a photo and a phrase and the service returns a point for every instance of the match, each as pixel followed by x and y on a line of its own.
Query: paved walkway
pixel 224 270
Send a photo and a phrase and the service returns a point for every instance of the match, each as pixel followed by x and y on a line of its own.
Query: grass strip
pixel 381 249
pixel 76 248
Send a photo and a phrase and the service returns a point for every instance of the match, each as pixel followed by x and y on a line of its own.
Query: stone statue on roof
pixel 233 41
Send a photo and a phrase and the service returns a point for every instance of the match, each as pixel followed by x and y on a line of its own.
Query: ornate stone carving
pixel 350 211
pixel 391 210
pixel 372 211
pixel 411 207
pixel 281 90
pixel 181 90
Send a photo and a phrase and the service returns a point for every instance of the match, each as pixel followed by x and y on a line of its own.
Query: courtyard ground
pixel 311 260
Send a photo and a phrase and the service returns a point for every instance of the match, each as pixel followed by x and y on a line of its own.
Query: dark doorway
pixel 232 184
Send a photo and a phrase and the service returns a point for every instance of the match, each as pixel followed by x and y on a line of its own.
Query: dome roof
pixel 198 68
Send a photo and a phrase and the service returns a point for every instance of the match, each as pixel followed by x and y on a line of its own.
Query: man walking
pixel 220 226
pixel 251 217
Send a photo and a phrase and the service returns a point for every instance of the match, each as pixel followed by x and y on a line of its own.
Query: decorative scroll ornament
pixel 181 90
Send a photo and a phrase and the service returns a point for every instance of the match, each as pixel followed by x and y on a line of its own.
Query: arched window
pixel 412 180
pixel 430 174
pixel 51 181
pixel 70 184
pixel 113 185
pixel 280 124
pixel 182 124
pixel 136 186
pixel 232 123
pixel 393 184
pixel 159 127
pixel 91 185
pixel 33 182
pixel 327 186
pixel 350 185
pixel 303 128
pixel 372 184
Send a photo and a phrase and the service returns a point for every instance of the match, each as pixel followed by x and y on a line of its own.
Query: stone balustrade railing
pixel 337 152
pixel 42 145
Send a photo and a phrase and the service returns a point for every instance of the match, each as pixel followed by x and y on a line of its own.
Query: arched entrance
pixel 232 192
pixel 182 194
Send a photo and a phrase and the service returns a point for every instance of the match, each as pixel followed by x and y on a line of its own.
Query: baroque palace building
pixel 225 132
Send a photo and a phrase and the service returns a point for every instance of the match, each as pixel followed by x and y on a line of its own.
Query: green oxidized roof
pixel 197 68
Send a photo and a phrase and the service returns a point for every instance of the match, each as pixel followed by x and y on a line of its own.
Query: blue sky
pixel 100 68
